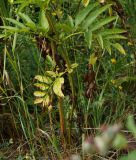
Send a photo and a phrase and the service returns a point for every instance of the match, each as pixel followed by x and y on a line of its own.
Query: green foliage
pixel 51 82
pixel 129 8
pixel 28 26
pixel 83 13
pixel 28 62
pixel 53 53
pixel 4 8
pixel 94 29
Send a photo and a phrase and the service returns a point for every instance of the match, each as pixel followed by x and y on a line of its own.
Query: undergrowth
pixel 67 79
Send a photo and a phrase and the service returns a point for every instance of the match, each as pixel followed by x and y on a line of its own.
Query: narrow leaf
pixel 22 6
pixel 50 61
pixel 13 29
pixel 70 21
pixel 88 38
pixel 27 19
pixel 43 22
pixel 111 31
pixel 107 46
pixel 16 22
pixel 116 36
pixel 101 23
pixel 92 16
pixel 83 13
pixel 100 40
pixel 119 48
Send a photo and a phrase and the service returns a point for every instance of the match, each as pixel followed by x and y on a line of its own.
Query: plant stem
pixel 64 54
pixel 62 120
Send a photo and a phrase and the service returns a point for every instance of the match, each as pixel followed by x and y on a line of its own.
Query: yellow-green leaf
pixel 70 70
pixel 51 73
pixel 28 20
pixel 74 65
pixel 50 108
pixel 43 22
pixel 119 48
pixel 46 100
pixel 85 2
pixel 2 36
pixel 38 100
pixel 39 94
pixel 43 79
pixel 57 86
pixel 41 86
pixel 61 73
pixel 50 61
pixel 92 59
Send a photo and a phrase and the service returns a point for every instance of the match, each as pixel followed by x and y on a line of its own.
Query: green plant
pixel 129 8
pixel 51 83
pixel 44 42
